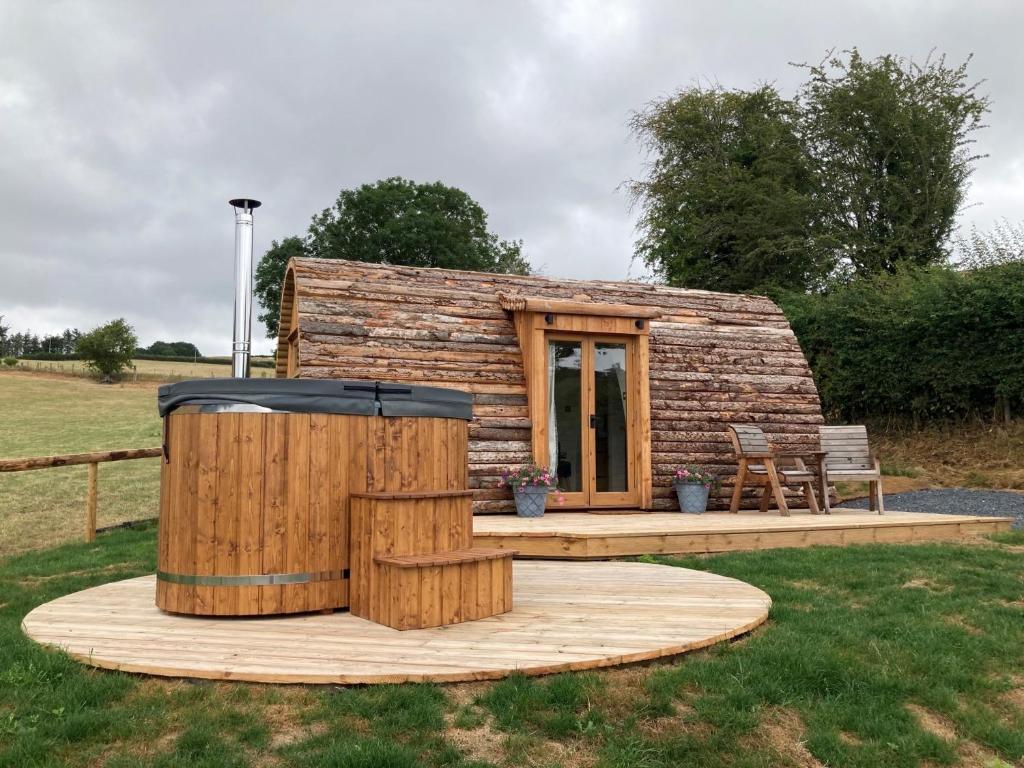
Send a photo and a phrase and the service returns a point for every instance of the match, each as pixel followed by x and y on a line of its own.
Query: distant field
pixel 146 370
pixel 41 416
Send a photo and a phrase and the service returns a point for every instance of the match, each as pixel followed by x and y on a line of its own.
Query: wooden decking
pixel 591 536
pixel 565 616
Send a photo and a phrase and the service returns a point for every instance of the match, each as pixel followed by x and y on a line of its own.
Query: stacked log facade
pixel 714 359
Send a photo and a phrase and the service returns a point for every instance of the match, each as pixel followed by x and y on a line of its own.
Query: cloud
pixel 127 126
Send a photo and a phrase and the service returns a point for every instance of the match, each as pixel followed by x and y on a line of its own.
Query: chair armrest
pixel 800 454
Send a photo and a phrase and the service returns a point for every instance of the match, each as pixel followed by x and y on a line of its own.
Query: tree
pixel 4 331
pixel 172 349
pixel 1003 244
pixel 269 276
pixel 731 200
pixel 394 221
pixel 862 173
pixel 109 348
pixel 892 143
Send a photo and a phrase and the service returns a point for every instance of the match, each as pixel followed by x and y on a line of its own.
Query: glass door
pixel 590 439
pixel 610 432
pixel 567 418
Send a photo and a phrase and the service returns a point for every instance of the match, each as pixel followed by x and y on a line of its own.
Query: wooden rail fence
pixel 93 460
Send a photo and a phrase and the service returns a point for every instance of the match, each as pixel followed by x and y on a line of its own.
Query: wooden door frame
pixel 534 321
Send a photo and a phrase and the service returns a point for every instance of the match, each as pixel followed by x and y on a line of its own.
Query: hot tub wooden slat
pixel 252 436
pixel 207 513
pixel 227 520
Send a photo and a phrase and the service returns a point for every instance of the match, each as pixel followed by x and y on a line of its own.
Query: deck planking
pixel 602 535
pixel 567 616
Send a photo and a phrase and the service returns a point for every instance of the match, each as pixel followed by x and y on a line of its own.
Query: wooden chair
pixel 848 457
pixel 760 464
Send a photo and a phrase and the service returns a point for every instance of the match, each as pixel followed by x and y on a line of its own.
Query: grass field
pixel 40 416
pixel 898 656
pixel 146 370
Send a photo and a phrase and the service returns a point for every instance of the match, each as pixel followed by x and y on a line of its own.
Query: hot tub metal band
pixel 254 580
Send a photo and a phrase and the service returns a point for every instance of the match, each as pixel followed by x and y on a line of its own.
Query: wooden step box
pixel 414 565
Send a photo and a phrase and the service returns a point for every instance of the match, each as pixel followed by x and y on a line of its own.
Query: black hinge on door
pixel 593 421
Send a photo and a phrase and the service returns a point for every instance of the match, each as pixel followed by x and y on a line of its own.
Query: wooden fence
pixel 93 460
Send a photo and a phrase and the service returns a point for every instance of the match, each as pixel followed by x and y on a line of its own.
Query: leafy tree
pixel 109 348
pixel 71 337
pixel 172 349
pixel 270 275
pixel 394 221
pixel 731 199
pixel 892 143
pixel 863 172
pixel 1003 244
pixel 27 343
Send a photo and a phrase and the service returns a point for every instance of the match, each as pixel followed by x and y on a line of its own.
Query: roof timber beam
pixel 516 303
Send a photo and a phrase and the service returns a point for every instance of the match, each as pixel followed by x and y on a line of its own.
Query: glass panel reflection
pixel 610 429
pixel 565 440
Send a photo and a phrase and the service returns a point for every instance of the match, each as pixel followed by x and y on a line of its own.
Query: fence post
pixel 90 503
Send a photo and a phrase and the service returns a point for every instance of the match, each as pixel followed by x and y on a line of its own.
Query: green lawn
pixel 41 416
pixel 873 656
pixel 147 370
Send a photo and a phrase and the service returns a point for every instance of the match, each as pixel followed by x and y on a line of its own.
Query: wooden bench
pixel 414 564
pixel 761 465
pixel 848 456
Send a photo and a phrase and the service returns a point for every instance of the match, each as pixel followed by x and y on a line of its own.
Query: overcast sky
pixel 126 126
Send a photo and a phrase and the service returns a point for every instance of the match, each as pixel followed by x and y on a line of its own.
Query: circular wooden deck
pixel 566 616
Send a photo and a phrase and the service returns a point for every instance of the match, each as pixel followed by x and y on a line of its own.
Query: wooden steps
pixel 455 557
pixel 414 565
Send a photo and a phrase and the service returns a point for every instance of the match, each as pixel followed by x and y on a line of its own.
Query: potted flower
pixel 530 486
pixel 693 485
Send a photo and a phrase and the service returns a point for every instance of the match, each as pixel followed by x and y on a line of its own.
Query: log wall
pixel 714 358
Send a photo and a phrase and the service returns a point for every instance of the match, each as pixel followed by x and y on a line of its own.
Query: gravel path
pixel 954 501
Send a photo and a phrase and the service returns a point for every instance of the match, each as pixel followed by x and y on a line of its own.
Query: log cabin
pixel 612 384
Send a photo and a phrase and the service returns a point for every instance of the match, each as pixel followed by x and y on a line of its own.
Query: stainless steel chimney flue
pixel 241 340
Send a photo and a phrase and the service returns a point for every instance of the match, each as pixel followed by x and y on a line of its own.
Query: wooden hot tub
pixel 256 479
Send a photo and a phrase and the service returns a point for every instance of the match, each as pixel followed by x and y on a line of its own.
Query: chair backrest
pixel 748 440
pixel 845 447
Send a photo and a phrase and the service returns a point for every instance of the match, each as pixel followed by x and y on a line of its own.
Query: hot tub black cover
pixel 408 400
pixel 366 398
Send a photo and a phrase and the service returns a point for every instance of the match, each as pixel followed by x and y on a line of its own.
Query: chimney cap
pixel 245 202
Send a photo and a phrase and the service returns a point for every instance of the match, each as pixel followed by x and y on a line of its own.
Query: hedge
pixel 926 344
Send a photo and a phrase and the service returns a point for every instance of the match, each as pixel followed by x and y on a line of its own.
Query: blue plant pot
pixel 693 497
pixel 531 500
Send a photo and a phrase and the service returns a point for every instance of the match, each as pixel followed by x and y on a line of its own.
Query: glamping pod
pixel 614 385
pixel 256 480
